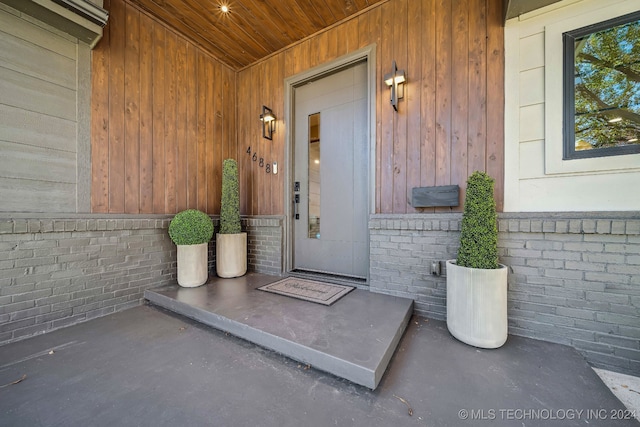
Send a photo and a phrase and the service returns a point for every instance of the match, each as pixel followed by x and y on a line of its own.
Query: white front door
pixel 331 165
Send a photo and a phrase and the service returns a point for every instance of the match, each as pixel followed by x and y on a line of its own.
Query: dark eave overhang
pixel 515 8
pixel 79 18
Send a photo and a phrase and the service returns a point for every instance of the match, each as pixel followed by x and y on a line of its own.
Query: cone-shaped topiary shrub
pixel 230 202
pixel 479 229
pixel 191 227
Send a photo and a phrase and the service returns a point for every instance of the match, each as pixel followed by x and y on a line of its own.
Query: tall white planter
pixel 231 255
pixel 477 305
pixel 192 265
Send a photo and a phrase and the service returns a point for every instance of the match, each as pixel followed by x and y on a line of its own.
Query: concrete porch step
pixel 352 339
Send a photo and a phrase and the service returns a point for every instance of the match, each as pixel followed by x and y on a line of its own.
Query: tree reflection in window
pixel 606 75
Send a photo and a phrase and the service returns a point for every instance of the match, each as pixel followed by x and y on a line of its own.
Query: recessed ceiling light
pixel 224 8
pixel 615 120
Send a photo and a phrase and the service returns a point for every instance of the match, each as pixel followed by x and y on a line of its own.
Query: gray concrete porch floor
pixel 148 367
pixel 354 338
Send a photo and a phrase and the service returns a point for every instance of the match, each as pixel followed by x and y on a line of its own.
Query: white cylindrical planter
pixel 192 265
pixel 477 305
pixel 231 255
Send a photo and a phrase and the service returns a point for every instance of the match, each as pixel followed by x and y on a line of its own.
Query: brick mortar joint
pixel 620 224
pixel 58 225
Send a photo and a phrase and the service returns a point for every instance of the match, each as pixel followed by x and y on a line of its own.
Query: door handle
pixel 296 202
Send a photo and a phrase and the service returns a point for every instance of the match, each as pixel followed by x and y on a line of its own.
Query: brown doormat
pixel 309 290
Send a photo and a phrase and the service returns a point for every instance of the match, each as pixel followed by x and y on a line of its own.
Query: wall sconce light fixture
pixel 395 80
pixel 268 122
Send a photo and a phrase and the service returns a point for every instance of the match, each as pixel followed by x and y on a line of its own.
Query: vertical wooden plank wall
pixel 164 112
pixel 163 118
pixel 449 123
pixel 261 191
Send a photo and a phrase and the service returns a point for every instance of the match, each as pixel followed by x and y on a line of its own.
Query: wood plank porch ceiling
pixel 252 29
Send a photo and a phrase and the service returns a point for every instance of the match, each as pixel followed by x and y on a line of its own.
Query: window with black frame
pixel 602 89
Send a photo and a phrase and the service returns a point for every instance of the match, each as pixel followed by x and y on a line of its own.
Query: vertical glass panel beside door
pixel 314 176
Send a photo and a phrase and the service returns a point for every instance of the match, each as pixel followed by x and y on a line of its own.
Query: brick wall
pixel 574 278
pixel 402 248
pixel 57 272
pixel 60 271
pixel 265 244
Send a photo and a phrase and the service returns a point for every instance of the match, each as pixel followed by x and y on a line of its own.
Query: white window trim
pixel 553 73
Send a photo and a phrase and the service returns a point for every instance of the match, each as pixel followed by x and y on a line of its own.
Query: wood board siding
pixel 163 118
pixel 161 131
pixel 252 29
pixel 449 124
pixel 38 141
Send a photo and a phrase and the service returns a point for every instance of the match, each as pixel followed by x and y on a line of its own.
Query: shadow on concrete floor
pixel 147 367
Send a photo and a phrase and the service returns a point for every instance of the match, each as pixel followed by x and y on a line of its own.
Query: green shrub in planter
pixel 230 202
pixel 479 229
pixel 191 227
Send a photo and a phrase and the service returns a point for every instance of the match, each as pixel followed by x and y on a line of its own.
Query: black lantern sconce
pixel 268 123
pixel 395 80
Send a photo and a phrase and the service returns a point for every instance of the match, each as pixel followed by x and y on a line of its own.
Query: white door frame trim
pixel 290 83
